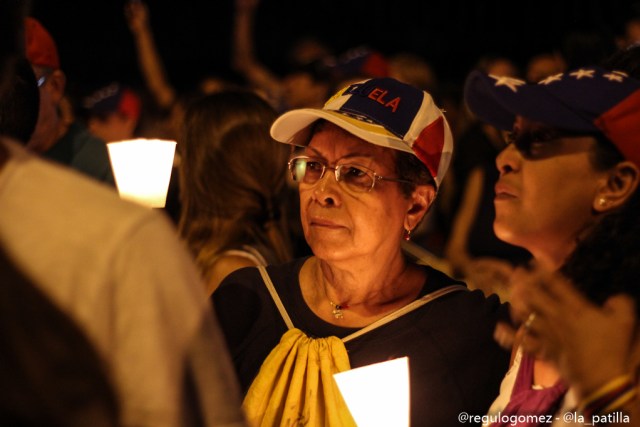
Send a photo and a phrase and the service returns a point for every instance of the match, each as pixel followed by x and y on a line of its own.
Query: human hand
pixel 491 275
pixel 137 15
pixel 588 344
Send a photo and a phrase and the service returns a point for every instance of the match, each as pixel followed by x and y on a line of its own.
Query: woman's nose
pixel 508 159
pixel 327 189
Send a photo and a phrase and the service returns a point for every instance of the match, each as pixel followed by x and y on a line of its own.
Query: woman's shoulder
pixel 472 302
pixel 287 270
pixel 246 288
pixel 251 276
pixel 225 264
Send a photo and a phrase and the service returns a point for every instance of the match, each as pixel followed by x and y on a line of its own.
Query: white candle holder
pixel 142 169
pixel 377 395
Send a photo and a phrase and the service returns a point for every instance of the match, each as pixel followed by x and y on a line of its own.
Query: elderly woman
pixel 370 164
pixel 568 193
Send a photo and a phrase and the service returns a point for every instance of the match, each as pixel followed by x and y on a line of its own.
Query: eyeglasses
pixel 42 74
pixel 354 177
pixel 44 77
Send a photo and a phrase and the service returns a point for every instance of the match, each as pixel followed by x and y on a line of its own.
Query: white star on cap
pixel 551 79
pixel 583 73
pixel 509 82
pixel 613 77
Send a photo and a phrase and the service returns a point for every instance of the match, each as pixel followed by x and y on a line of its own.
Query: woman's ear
pixel 621 183
pixel 419 204
pixel 57 84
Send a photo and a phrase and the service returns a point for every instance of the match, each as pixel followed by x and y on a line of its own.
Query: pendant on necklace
pixel 337 309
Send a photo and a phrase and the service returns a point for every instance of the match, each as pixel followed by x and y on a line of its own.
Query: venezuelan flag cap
pixel 41 49
pixel 384 112
pixel 589 100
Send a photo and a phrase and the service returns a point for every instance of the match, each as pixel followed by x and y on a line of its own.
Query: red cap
pixel 130 104
pixel 41 48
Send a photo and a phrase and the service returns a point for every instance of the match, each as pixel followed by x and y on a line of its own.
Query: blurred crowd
pixel 457 233
pixel 232 203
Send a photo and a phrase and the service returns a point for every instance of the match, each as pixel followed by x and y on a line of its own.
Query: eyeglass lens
pixel 310 171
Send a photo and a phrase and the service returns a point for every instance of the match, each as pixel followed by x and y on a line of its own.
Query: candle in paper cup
pixel 142 169
pixel 378 394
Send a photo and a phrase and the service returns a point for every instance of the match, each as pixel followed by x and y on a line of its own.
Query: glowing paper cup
pixel 142 169
pixel 378 394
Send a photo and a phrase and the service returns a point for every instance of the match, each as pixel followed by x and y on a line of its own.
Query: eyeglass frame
pixel 42 75
pixel 336 172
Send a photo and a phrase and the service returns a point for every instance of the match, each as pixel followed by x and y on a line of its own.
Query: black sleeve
pixel 237 304
pixel 250 321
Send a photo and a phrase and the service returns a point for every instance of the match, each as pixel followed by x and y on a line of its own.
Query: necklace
pixel 337 309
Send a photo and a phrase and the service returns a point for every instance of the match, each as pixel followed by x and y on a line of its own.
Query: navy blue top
pixel 455 365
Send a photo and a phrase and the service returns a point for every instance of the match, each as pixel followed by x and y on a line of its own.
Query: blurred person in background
pixel 234 193
pixel 305 82
pixel 583 47
pixel 413 69
pixel 472 248
pixel 51 372
pixel 112 112
pixel 543 65
pixel 20 103
pixel 356 64
pixel 631 33
pixel 66 142
pixel 136 308
pixel 163 105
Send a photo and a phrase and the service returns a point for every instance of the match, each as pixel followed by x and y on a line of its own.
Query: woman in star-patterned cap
pixel 568 193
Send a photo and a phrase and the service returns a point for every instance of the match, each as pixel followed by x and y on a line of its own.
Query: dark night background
pixel 193 37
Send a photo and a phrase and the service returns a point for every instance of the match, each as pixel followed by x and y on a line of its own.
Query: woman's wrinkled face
pixel 340 224
pixel 546 190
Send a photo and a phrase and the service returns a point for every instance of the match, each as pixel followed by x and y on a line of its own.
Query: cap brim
pixel 499 104
pixel 293 128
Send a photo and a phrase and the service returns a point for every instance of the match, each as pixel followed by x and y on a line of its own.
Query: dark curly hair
pixel 607 261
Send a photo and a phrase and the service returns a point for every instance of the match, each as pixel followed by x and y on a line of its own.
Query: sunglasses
pixel 531 142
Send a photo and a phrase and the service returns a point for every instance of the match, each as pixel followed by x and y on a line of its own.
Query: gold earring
pixel 602 202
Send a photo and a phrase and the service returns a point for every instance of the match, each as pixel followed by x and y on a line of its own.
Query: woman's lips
pixel 504 191
pixel 324 223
